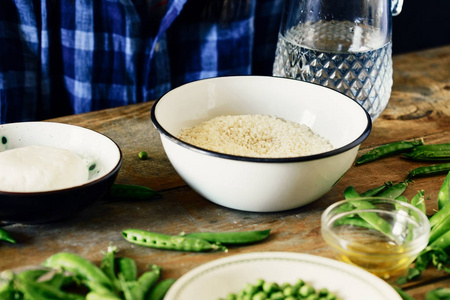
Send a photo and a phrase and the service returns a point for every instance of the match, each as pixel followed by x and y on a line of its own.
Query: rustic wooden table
pixel 419 108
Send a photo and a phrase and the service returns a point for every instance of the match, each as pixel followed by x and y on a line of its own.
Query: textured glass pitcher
pixel 344 45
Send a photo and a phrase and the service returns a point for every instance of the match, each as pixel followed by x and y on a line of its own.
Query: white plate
pixel 218 278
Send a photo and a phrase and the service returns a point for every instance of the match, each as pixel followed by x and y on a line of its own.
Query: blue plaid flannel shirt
pixel 61 57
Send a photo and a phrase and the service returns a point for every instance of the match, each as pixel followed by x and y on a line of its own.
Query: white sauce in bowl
pixel 41 168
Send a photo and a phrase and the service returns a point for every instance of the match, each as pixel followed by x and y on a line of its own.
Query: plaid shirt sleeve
pixel 73 56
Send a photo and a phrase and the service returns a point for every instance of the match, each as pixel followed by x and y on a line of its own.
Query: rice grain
pixel 255 135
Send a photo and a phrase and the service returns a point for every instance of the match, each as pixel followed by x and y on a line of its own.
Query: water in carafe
pixel 342 45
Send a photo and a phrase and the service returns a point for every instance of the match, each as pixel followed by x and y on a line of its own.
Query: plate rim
pixel 385 289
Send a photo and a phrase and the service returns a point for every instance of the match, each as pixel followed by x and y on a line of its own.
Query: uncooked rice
pixel 255 135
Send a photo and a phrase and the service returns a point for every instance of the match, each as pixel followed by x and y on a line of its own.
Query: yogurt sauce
pixel 41 168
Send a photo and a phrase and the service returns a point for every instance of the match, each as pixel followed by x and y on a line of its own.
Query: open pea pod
pixel 169 242
pixel 235 237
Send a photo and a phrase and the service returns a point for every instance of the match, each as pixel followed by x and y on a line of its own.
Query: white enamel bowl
pixel 103 157
pixel 261 184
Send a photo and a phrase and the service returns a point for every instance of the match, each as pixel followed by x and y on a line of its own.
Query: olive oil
pixel 384 259
pixel 377 254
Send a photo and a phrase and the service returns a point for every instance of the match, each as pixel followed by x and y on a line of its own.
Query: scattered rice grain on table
pixel 255 135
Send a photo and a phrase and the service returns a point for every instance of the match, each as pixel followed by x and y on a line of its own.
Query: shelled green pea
pixel 264 290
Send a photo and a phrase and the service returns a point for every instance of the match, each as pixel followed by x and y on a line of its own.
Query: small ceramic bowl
pixel 382 236
pixel 261 184
pixel 105 159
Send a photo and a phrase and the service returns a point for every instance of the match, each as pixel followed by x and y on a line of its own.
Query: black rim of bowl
pixel 330 153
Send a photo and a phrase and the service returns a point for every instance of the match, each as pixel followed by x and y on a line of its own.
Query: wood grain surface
pixel 419 108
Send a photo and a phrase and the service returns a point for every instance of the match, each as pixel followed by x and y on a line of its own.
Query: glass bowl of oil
pixel 382 236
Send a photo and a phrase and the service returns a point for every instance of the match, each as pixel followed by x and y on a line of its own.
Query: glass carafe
pixel 344 45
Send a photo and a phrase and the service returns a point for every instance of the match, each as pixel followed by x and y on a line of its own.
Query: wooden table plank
pixel 420 99
pixel 419 108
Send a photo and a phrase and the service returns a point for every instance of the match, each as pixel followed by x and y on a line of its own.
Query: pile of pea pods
pixel 116 278
pixel 67 276
pixel 437 253
pixel 413 150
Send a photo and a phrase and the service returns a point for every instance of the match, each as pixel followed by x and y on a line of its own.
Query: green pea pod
pixel 107 265
pixel 433 147
pixel 8 294
pixel 132 191
pixel 373 219
pixel 438 294
pixel 402 199
pixel 6 286
pixel 237 237
pixel 131 289
pixel 80 267
pixel 429 170
pixel 102 296
pixel 439 229
pixel 387 189
pixel 32 275
pixel 344 208
pixel 419 201
pixel 388 150
pixel 6 236
pixel 160 290
pixel 440 215
pixel 376 190
pixel 353 221
pixel 403 294
pixel 147 280
pixel 168 242
pixel 128 269
pixel 42 291
pixel 442 242
pixel 444 192
pixel 394 190
pixel 351 193
pixel 97 287
pixel 59 280
pixel 428 155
